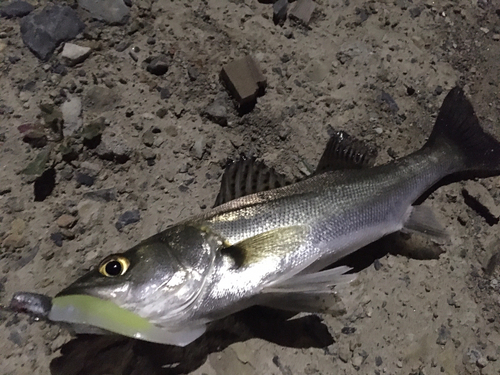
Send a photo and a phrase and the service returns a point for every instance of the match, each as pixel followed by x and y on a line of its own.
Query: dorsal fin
pixel 345 152
pixel 247 176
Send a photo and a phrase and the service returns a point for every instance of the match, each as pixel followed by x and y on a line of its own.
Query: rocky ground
pixel 126 129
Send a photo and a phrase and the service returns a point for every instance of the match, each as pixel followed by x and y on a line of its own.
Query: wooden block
pixel 302 11
pixel 244 79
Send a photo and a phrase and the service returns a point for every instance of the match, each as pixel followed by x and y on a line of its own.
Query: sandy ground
pixel 413 316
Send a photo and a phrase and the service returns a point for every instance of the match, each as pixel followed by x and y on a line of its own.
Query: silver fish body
pixel 337 213
pixel 266 247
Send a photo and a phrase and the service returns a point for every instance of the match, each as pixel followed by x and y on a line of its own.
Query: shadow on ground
pixel 113 355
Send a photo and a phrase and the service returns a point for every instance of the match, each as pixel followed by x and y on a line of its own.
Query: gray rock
pixel 114 12
pixel 198 148
pixel 193 73
pixel 415 12
pixel 161 112
pixel 88 211
pixel 43 31
pixel 113 148
pixel 148 138
pixel 482 362
pixel 344 353
pixel 357 361
pixel 217 112
pixel 16 9
pixel 16 338
pixel 473 356
pixel 491 260
pixel 391 103
pixel 477 197
pixel 72 111
pixel 443 335
pixel 84 178
pixel 73 54
pixel 106 195
pixel 100 99
pixel 148 154
pixel 158 65
pixel 127 218
pixel 122 46
pixel 165 93
pixel 57 238
pixel 14 204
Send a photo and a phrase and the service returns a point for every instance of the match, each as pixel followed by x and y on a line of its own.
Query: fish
pixel 270 242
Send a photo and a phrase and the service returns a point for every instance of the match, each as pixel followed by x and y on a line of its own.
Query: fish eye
pixel 114 265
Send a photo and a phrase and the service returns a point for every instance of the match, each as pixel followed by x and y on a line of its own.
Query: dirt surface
pixel 376 69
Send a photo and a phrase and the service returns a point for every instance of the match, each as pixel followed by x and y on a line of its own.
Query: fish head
pixel 147 289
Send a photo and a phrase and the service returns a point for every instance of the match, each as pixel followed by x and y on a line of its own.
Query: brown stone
pixel 66 221
pixel 244 79
pixel 14 241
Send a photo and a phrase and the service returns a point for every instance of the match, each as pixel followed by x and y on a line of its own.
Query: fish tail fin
pixel 458 126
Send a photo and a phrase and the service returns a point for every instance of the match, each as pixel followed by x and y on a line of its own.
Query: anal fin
pixel 324 303
pixel 309 292
pixel 317 282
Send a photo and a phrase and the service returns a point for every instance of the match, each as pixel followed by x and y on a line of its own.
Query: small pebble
pixel 165 93
pixel 127 218
pixel 348 330
pixel 357 361
pixel 106 195
pixel 148 138
pixel 161 112
pixel 84 179
pixel 158 65
pixel 482 362
pixel 66 221
pixel 57 238
pixel 148 154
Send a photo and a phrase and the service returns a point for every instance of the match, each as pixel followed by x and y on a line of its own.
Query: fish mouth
pixel 92 312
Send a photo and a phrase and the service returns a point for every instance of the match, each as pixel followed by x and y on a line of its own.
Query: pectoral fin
pixel 275 243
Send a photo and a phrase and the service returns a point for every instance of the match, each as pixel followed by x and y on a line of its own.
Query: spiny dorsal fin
pixel 245 177
pixel 345 152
